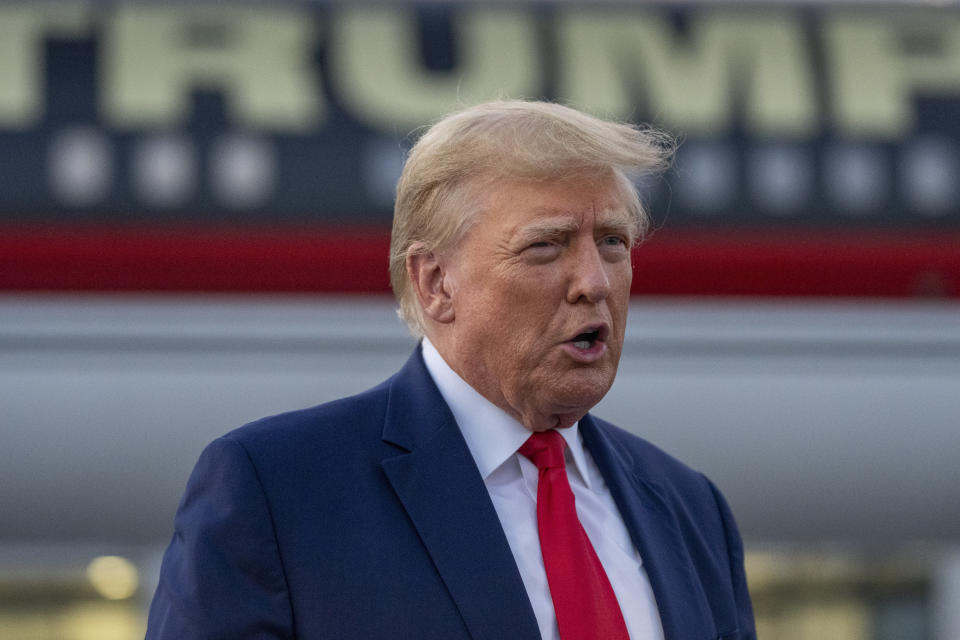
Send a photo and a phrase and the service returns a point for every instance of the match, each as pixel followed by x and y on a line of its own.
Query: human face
pixel 539 288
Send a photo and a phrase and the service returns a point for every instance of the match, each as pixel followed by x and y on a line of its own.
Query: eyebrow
pixel 556 225
pixel 616 221
pixel 610 220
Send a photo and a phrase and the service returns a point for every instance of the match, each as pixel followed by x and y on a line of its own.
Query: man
pixel 471 495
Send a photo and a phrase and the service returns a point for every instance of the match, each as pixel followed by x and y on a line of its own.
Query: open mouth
pixel 587 339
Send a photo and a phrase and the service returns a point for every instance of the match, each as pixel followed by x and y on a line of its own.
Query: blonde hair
pixel 447 169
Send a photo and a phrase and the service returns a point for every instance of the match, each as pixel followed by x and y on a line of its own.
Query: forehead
pixel 514 206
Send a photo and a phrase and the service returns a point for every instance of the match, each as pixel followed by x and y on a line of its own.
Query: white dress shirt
pixel 493 437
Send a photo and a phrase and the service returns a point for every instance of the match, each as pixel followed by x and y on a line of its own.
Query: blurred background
pixel 195 202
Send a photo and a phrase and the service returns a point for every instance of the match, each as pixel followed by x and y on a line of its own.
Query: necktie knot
pixel 545 449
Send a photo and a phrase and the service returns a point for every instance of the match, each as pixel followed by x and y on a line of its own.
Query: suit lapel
pixel 684 610
pixel 438 484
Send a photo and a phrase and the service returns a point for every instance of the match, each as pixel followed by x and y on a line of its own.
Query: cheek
pixel 620 281
pixel 622 273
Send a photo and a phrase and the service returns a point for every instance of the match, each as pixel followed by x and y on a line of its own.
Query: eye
pixel 614 241
pixel 614 247
pixel 541 251
pixel 544 242
pixel 542 246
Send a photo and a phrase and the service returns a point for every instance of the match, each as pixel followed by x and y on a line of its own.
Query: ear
pixel 431 282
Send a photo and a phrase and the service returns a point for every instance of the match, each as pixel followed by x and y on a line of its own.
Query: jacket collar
pixel 437 481
pixel 652 523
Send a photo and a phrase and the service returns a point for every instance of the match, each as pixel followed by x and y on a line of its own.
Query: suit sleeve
pixel 738 576
pixel 222 576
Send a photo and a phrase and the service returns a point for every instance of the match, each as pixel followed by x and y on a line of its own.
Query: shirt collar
pixel 492 435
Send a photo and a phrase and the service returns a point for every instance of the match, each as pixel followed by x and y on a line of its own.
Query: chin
pixel 583 392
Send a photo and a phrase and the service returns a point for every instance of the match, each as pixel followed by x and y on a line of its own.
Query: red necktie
pixel 584 601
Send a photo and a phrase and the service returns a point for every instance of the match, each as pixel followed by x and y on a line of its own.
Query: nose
pixel 589 278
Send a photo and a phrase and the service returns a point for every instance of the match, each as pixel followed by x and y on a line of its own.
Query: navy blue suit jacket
pixel 367 518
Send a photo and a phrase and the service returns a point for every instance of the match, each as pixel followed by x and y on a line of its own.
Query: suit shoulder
pixel 680 483
pixel 651 457
pixel 701 516
pixel 334 424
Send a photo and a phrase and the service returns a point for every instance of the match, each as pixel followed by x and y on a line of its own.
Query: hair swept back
pixel 446 170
